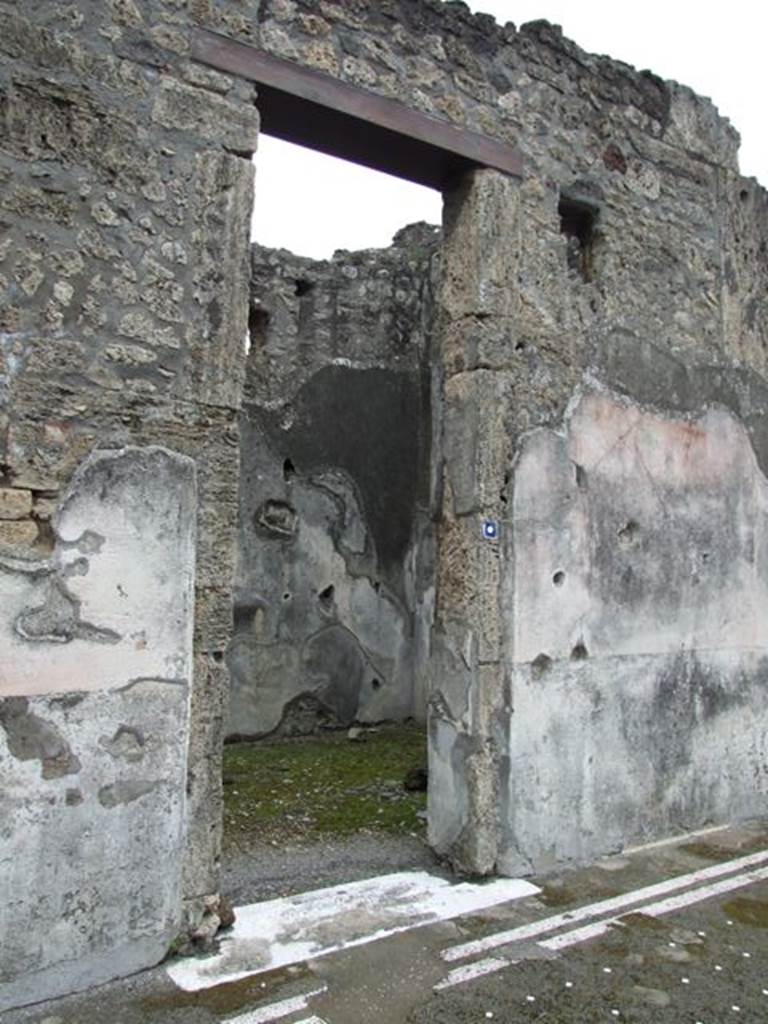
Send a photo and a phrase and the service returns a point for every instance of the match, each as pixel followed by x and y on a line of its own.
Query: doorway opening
pixel 325 762
pixel 339 489
pixel 313 204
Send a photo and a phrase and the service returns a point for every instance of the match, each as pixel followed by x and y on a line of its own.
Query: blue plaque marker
pixel 491 529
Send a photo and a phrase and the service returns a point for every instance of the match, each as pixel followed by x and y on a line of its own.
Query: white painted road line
pixel 657 844
pixel 601 908
pixel 477 969
pixel 275 1011
pixel 668 906
pixel 490 965
pixel 314 924
pixel 312 1020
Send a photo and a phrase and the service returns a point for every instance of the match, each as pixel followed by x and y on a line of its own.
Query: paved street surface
pixel 675 932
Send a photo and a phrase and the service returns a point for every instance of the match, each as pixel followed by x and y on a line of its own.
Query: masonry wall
pixel 335 575
pixel 125 197
pixel 663 315
pixel 660 321
pixel 125 193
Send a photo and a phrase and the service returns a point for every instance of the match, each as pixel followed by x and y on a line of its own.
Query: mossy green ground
pixel 304 789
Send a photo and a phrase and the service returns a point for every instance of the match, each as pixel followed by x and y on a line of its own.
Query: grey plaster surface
pixel 332 602
pixel 94 712
pixel 638 680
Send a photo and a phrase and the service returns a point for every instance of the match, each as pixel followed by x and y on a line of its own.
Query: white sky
pixel 312 204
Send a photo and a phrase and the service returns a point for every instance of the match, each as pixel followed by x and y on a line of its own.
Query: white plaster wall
pixel 639 675
pixel 95 673
pixel 125 554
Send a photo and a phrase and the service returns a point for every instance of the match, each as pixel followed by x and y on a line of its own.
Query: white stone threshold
pixel 313 924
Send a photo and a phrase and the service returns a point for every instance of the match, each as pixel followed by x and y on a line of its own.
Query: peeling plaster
pixel 31 738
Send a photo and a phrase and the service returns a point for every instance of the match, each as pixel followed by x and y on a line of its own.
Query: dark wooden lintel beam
pixel 313 109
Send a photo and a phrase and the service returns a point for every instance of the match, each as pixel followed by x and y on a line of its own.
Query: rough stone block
pixel 476 441
pixel 18 533
pixel 223 201
pixel 481 248
pixel 204 786
pixel 15 503
pixel 212 118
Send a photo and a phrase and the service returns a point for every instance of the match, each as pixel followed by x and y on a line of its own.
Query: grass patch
pixel 305 789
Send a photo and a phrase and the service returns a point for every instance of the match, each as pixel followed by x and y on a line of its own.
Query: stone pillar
pixel 214 373
pixel 476 323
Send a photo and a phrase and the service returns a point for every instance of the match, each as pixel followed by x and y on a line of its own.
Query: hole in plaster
pixel 303 286
pixel 540 665
pixel 559 578
pixel 286 596
pixel 377 587
pixel 629 535
pixel 218 657
pixel 577 223
pixel 744 195
pixel 705 556
pixel 326 597
pixel 520 346
pixel 376 684
pixel 579 653
pixel 276 519
pixel 581 475
pixel 289 470
pixel 247 618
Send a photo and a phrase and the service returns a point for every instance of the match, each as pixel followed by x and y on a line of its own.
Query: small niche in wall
pixel 577 223
pixel 258 323
pixel 303 286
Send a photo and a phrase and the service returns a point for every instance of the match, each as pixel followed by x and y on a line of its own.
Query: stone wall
pixel 125 198
pixel 608 271
pixel 335 576
pixel 616 291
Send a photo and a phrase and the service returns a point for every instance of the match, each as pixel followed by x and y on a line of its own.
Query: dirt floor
pixel 313 811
